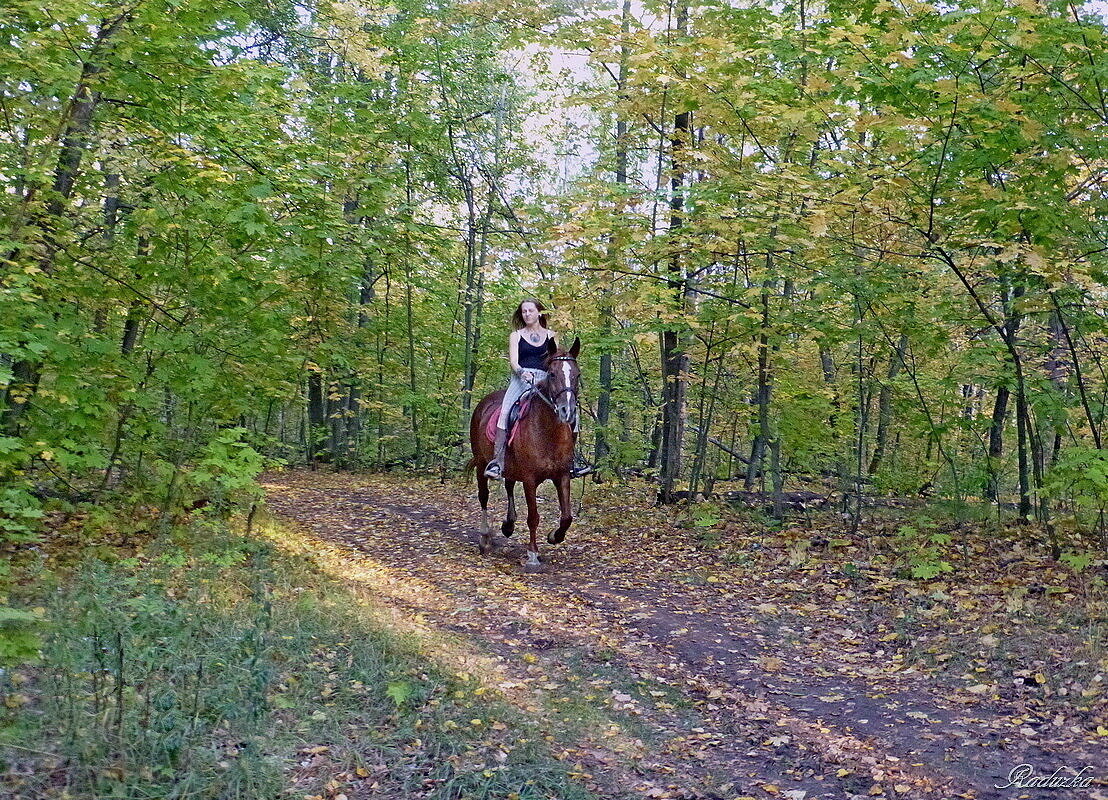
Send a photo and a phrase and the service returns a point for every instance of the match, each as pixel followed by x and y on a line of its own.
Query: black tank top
pixel 531 356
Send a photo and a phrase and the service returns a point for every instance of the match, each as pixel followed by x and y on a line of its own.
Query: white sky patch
pixel 560 134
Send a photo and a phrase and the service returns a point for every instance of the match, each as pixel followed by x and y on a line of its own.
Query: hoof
pixel 508 528
pixel 556 537
pixel 531 563
pixel 530 568
pixel 484 546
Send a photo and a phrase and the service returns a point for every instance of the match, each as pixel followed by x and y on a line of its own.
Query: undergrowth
pixel 212 665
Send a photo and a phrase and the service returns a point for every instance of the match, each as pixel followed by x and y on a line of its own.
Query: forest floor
pixel 701 653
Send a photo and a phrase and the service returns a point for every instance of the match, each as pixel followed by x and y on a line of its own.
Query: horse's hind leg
pixel 532 564
pixel 508 527
pixel 485 545
pixel 564 502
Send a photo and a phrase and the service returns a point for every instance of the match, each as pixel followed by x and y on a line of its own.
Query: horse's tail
pixel 470 466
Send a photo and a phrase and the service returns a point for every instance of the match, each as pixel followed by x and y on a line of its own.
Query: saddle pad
pixel 490 425
pixel 523 405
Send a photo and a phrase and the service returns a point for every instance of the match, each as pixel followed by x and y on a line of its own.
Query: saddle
pixel 517 412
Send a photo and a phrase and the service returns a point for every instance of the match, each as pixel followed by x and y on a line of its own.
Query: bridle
pixel 552 401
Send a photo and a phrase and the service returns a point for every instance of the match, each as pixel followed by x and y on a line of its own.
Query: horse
pixel 540 448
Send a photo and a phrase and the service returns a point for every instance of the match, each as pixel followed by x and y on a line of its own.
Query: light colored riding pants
pixel 516 387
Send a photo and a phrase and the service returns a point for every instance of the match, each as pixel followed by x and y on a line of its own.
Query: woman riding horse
pixel 527 351
pixel 542 446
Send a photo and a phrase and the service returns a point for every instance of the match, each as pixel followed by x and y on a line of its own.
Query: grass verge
pixel 212 665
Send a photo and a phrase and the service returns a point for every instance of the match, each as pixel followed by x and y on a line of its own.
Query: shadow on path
pixel 774 704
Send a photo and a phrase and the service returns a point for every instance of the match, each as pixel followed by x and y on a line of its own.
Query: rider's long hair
pixel 517 315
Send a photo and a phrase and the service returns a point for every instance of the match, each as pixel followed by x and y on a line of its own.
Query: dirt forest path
pixel 731 689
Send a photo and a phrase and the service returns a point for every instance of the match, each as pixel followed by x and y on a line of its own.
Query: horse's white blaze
pixel 565 372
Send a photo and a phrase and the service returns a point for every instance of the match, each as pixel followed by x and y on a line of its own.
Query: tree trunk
pixel 413 388
pixel 316 435
pixel 351 409
pixel 763 395
pixel 133 322
pixel 604 396
pixel 469 295
pixel 996 427
pixel 111 221
pixel 703 416
pixel 885 403
pixel 674 357
pixel 76 124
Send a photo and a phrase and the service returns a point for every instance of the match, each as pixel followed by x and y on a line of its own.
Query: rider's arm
pixel 513 351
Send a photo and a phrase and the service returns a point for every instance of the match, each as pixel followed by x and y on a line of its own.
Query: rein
pixel 550 401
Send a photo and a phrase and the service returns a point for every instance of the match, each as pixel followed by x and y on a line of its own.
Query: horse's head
pixel 561 385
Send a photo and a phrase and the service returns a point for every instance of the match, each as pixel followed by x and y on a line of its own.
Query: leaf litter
pixel 666 668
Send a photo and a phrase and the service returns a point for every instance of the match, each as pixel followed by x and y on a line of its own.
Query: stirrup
pixel 494 470
pixel 580 468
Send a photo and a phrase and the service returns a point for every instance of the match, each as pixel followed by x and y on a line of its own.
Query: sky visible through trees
pixel 839 270
pixel 851 248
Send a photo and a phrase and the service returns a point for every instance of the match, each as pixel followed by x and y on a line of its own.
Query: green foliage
pixel 264 247
pixel 217 247
pixel 856 202
pixel 1078 562
pixel 925 566
pixel 1081 474
pixel 20 635
pixel 227 467
pixel 924 550
pixel 705 519
pixel 20 513
pixel 399 692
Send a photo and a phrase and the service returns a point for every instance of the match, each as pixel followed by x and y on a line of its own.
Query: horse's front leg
pixel 556 536
pixel 485 545
pixel 532 564
pixel 508 527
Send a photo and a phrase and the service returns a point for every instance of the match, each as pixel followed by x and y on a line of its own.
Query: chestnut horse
pixel 540 448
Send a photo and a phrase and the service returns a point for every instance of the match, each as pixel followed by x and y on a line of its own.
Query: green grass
pixel 216 666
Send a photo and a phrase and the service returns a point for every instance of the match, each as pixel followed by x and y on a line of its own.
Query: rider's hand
pixel 528 376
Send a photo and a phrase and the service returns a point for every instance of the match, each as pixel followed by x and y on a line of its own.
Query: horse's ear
pixel 551 346
pixel 576 347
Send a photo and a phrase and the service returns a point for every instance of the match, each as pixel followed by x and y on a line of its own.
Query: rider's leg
pixel 580 467
pixel 495 469
pixel 516 388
